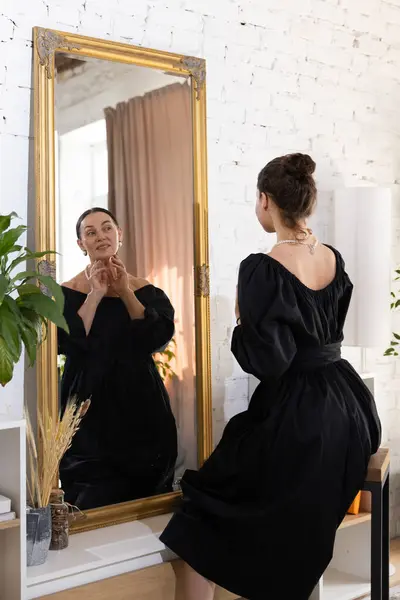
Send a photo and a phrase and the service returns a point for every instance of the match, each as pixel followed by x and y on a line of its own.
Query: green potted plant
pixel 25 308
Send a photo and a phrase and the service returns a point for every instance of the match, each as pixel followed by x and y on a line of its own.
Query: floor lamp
pixel 362 233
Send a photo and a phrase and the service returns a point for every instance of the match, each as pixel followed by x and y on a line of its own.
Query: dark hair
pixel 91 211
pixel 289 181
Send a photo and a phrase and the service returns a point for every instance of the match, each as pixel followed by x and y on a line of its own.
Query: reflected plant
pixel 61 363
pixel 393 349
pixel 163 360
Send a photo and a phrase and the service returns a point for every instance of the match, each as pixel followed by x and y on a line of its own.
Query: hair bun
pixel 299 165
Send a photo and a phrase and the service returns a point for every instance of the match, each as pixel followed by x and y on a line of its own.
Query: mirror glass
pixel 124 145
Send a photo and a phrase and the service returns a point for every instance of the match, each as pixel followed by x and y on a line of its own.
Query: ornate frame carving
pixel 197 68
pixel 203 281
pixel 46 43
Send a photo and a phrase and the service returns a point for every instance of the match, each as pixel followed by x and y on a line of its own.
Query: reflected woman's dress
pixel 126 446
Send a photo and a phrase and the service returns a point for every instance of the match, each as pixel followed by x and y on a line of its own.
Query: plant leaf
pixel 54 288
pixel 30 339
pixel 45 307
pixel 24 275
pixel 396 336
pixel 33 254
pixel 6 364
pixel 13 306
pixel 32 320
pixel 4 283
pixel 15 248
pixel 28 288
pixel 5 221
pixel 47 281
pixel 19 259
pixel 8 239
pixel 10 332
pixel 28 255
pixel 27 319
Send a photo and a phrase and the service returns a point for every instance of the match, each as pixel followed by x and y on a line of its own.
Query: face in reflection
pixel 99 236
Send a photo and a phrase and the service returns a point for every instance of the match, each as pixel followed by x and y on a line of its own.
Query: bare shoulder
pixel 138 282
pixel 77 283
pixel 327 255
pixel 287 254
pixel 314 270
pixel 280 252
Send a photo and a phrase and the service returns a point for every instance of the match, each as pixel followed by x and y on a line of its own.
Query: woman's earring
pixel 84 253
pixel 120 243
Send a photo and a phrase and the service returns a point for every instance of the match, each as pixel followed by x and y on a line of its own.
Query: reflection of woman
pixel 270 498
pixel 126 446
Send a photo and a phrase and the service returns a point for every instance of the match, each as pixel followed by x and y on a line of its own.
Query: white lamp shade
pixel 362 234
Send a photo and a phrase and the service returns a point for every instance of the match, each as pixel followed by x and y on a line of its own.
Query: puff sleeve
pixel 263 344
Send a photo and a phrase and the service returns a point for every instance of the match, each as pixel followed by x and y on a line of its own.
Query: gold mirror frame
pixel 46 43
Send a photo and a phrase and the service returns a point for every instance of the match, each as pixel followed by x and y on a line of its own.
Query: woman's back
pixel 315 270
pixel 283 317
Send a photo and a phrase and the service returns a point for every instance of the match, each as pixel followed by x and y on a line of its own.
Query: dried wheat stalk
pixel 56 436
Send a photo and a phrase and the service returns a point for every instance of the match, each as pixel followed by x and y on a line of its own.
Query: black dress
pixel 260 517
pixel 126 446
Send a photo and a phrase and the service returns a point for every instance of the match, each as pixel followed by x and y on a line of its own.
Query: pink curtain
pixel 150 157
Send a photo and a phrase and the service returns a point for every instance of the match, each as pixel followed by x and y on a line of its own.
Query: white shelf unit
pixel 342 586
pixel 348 575
pixel 12 485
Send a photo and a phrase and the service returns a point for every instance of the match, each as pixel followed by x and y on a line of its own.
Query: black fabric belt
pixel 308 359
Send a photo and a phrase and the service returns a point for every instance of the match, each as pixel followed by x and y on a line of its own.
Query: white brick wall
pixel 315 75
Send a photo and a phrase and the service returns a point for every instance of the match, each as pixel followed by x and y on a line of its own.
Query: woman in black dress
pixel 266 505
pixel 126 446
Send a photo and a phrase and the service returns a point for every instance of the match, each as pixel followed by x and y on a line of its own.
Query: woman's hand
pixel 97 275
pixel 98 279
pixel 118 277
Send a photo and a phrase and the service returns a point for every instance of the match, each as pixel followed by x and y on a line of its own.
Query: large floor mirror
pixel 121 195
